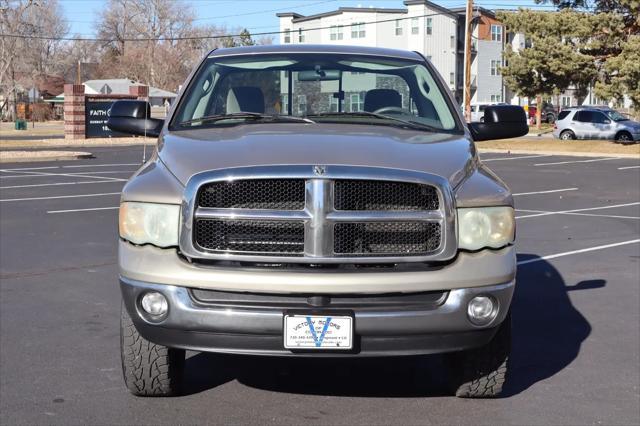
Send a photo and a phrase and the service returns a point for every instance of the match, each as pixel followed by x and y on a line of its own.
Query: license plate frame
pixel 333 339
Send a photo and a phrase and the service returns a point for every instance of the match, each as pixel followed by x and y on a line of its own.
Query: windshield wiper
pixel 247 116
pixel 405 123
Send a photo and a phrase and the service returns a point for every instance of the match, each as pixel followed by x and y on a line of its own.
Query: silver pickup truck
pixel 316 201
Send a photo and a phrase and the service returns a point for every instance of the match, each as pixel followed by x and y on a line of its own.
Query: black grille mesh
pixel 276 194
pixel 262 236
pixel 383 195
pixel 386 238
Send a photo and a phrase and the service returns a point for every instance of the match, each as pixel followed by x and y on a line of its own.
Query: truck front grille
pixel 275 194
pixel 386 238
pixel 315 215
pixel 250 236
pixel 380 195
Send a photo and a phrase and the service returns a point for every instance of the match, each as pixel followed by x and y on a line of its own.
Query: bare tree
pixel 28 49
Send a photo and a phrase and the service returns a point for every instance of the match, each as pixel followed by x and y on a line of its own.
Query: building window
pixel 496 32
pixel 415 26
pixel 495 67
pixel 429 58
pixel 453 42
pixel 357 30
pixel 287 36
pixel 398 27
pixel 333 103
pixel 429 26
pixel 452 78
pixel 357 102
pixel 284 102
pixel 300 36
pixel 302 104
pixel 336 32
pixel 496 98
pixel 566 101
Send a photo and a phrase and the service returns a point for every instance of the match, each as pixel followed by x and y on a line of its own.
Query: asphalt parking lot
pixel 576 314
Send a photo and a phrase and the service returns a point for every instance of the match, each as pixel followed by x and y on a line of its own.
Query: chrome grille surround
pixel 319 214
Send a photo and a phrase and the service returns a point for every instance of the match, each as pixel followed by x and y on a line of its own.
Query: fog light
pixel 154 303
pixel 482 310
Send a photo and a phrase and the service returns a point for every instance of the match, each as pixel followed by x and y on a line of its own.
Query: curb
pixel 47 156
pixel 563 153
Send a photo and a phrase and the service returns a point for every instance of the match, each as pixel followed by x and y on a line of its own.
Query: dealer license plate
pixel 318 332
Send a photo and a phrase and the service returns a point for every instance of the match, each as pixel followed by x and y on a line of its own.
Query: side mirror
pixel 500 122
pixel 133 117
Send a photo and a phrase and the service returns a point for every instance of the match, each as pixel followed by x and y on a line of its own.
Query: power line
pixel 211 37
pixel 214 37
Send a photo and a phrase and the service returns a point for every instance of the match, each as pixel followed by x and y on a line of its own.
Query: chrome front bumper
pixel 258 329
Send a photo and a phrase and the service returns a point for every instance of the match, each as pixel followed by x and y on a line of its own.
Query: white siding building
pixel 422 26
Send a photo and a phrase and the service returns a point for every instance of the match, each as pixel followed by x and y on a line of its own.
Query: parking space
pixel 576 313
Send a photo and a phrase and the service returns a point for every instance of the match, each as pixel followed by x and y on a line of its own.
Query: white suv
pixel 596 123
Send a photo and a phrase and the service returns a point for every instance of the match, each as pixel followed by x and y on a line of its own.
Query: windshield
pixel 319 87
pixel 616 116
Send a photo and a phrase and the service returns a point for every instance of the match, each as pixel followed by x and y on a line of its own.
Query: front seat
pixel 245 99
pixel 375 99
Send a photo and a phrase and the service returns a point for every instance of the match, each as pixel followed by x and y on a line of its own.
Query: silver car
pixel 596 123
pixel 316 201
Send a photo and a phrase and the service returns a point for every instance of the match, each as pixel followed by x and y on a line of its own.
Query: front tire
pixel 481 372
pixel 148 369
pixel 624 137
pixel 567 135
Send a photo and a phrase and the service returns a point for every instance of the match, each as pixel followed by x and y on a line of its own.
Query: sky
pixel 258 15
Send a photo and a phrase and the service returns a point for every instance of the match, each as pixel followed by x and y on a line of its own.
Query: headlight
pixel 148 223
pixel 485 227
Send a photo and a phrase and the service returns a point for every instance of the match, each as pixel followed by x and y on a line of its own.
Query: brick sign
pixel 95 124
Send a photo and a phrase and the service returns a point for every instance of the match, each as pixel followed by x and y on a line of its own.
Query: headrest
pixel 379 98
pixel 245 99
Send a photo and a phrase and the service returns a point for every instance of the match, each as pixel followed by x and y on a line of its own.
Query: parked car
pixel 316 201
pixel 595 123
pixel 548 115
pixel 477 110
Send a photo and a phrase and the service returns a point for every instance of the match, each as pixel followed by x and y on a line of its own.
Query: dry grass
pixel 555 145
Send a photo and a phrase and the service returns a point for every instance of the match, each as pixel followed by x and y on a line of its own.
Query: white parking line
pixel 84 175
pixel 60 196
pixel 516 158
pixel 71 174
pixel 101 165
pixel 29 168
pixel 579 161
pixel 578 210
pixel 628 167
pixel 82 210
pixel 581 214
pixel 59 183
pixel 568 253
pixel 545 192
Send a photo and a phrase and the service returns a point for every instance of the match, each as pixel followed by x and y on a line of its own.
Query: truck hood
pixel 188 152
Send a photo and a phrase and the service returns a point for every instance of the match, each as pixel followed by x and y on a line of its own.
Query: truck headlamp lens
pixel 485 227
pixel 149 223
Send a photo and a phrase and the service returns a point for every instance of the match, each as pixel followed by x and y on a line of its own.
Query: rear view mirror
pixel 319 75
pixel 500 122
pixel 133 117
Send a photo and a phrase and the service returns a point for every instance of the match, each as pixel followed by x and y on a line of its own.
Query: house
pixel 120 86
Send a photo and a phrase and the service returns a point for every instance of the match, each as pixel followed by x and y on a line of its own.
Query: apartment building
pixel 424 26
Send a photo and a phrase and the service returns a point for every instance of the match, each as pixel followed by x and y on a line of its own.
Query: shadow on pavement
pixel 547 334
pixel 547 329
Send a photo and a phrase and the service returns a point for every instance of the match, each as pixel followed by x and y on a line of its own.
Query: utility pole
pixel 467 61
pixel 78 77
